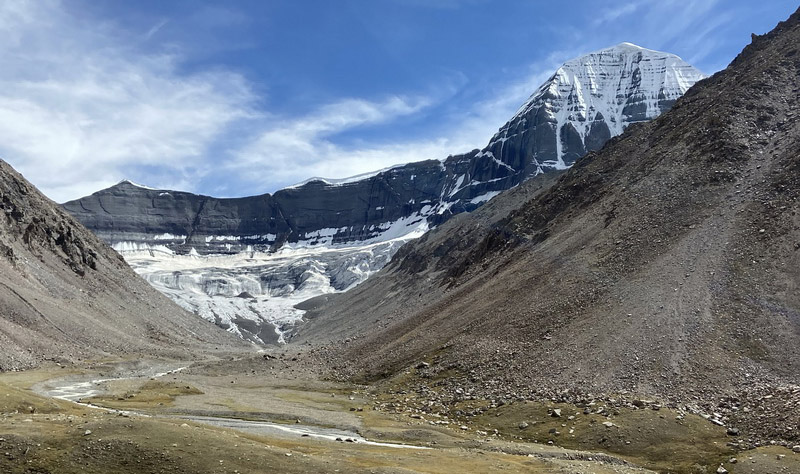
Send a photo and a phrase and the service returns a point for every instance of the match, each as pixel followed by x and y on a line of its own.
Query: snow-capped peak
pixel 611 87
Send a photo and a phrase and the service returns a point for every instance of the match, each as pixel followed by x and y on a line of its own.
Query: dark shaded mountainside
pixel 587 101
pixel 666 264
pixel 65 295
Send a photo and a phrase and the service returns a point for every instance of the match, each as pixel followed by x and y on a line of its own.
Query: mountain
pixel 205 252
pixel 587 101
pixel 66 296
pixel 665 265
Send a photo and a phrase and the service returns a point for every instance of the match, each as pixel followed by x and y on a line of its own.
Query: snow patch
pixel 484 197
pixel 348 180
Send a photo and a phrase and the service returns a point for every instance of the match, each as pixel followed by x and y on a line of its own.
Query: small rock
pixel 608 424
pixel 87 432
pixel 796 449
pixel 464 427
pixel 556 413
pixel 733 461
pixel 733 431
pixel 523 425
pixel 721 469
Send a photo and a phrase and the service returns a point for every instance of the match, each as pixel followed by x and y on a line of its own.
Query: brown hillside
pixel 65 295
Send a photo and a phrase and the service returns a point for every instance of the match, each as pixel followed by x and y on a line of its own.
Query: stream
pixel 76 389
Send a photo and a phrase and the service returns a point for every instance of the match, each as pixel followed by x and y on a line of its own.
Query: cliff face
pixel 133 217
pixel 587 101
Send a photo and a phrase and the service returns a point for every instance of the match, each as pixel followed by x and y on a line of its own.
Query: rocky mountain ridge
pixel 66 296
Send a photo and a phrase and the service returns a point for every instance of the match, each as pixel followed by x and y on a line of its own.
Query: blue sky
pixel 235 98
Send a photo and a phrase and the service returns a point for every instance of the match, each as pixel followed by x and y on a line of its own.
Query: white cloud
pixel 297 149
pixel 79 107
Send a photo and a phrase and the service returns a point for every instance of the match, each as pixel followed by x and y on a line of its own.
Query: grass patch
pixel 660 440
pixel 152 393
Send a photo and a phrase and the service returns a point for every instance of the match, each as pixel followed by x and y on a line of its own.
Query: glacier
pixel 253 293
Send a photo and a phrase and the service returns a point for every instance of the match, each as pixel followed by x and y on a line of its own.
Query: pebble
pixel 523 425
pixel 721 469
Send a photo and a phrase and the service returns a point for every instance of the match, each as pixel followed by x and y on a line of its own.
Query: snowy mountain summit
pixel 245 262
pixel 588 100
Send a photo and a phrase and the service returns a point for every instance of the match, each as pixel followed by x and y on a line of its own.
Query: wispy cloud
pixel 155 28
pixel 614 13
pixel 75 116
pixel 303 147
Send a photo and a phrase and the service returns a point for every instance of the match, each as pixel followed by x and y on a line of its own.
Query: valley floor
pixel 272 413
